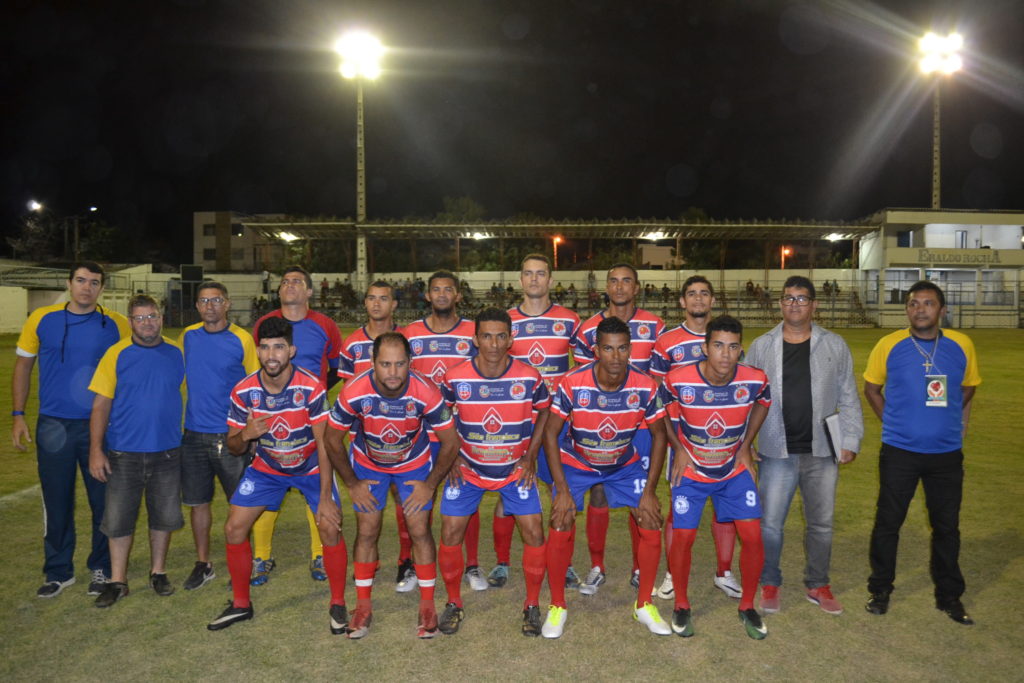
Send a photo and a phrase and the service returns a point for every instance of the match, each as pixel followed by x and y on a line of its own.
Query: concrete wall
pixel 14 308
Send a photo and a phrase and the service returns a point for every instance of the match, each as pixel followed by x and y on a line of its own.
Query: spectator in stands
pixel 750 289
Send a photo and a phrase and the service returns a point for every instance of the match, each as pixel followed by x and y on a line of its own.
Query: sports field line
pixel 18 496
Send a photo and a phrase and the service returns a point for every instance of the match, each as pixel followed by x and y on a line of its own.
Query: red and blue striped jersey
pixel 357 353
pixel 676 347
pixel 288 447
pixel 391 435
pixel 544 341
pixel 434 352
pixel 495 418
pixel 602 423
pixel 711 420
pixel 644 330
pixel 317 342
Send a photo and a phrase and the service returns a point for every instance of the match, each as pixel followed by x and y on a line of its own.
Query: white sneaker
pixel 649 617
pixel 476 579
pixel 554 625
pixel 408 581
pixel 666 591
pixel 729 585
pixel 590 584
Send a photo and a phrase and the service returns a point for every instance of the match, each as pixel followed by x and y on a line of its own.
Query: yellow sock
pixel 316 547
pixel 263 534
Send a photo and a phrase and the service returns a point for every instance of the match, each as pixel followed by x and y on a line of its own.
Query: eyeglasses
pixel 293 281
pixel 144 318
pixel 801 300
pixel 215 300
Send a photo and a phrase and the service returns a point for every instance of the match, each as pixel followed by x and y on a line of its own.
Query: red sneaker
pixel 427 626
pixel 822 597
pixel 770 599
pixel 359 624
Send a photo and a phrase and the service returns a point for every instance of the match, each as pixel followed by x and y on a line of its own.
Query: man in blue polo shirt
pixel 134 443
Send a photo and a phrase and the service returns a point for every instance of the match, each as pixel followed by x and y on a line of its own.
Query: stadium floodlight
pixel 833 237
pixel 34 205
pixel 287 236
pixel 939 56
pixel 555 241
pixel 360 53
pixel 784 252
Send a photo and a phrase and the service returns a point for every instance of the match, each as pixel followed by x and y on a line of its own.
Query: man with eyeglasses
pixel 218 355
pixel 68 339
pixel 134 444
pixel 811 371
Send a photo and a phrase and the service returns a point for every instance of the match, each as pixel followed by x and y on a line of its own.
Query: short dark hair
pixel 142 300
pixel 535 257
pixel 379 284
pixel 391 338
pixel 800 282
pixel 212 284
pixel 493 314
pixel 611 325
pixel 305 274
pixel 724 323
pixel 442 275
pixel 273 328
pixel 925 285
pixel 694 279
pixel 636 276
pixel 90 266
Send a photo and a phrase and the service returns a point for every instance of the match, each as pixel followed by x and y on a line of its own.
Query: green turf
pixel 148 637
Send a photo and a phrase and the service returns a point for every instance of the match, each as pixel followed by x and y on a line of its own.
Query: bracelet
pixel 16 413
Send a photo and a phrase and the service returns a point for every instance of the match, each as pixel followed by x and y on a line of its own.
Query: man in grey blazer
pixel 811 373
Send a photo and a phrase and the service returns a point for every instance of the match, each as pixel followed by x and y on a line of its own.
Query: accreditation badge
pixel 937 395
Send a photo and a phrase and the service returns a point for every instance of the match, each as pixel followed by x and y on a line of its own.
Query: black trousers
pixel 942 475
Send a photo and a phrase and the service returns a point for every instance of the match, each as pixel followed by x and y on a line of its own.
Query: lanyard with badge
pixel 936 385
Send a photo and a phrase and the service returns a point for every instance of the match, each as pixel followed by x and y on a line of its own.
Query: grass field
pixel 151 638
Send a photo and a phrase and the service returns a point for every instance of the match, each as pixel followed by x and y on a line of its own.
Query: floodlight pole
pixel 362 275
pixel 936 143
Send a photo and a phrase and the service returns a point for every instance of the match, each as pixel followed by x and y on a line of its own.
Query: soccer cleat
pixel 770 603
pixel 572 579
pixel 729 585
pixel 822 597
pixel 98 581
pixel 52 589
pixel 634 580
pixel 649 617
pixel 111 593
pixel 752 622
pixel 666 591
pixel 427 626
pixel 403 567
pixel 408 581
pixel 201 574
pixel 451 618
pixel 229 616
pixel 682 622
pixel 160 584
pixel 590 584
pixel 359 624
pixel 475 578
pixel 339 619
pixel 316 568
pixel 878 603
pixel 554 625
pixel 261 571
pixel 955 610
pixel 498 576
pixel 531 621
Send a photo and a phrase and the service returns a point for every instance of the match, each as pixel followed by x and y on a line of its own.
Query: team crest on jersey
pixel 464 391
pixel 633 400
pixel 390 435
pixel 298 398
pixel 530 328
pixel 643 331
pixel 451 492
pixel 681 505
pixel 462 347
pixel 602 402
pixel 366 406
pixel 687 395
pixel 255 397
pixel 677 355
pixel 515 330
pixel 279 428
pixel 357 352
pixel 695 350
pixel 485 391
pixel 246 487
pixel 741 394
pixel 433 346
pixel 715 425
pixel 410 408
pixel 417 346
pixel 708 395
pixel 271 402
pixel 607 430
pixel 559 329
pixel 536 356
pixel 583 398
pixel 518 391
pixel 492 421
pixel 385 407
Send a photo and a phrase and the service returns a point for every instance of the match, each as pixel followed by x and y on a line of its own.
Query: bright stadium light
pixel 939 56
pixel 33 205
pixel 833 237
pixel 360 53
pixel 785 251
pixel 287 236
pixel 555 241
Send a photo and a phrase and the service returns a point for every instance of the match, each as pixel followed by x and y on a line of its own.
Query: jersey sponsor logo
pixel 271 402
pixel 255 397
pixel 741 394
pixel 410 408
pixel 462 347
pixel 464 391
pixel 708 395
pixel 446 414
pixel 583 398
pixel 417 346
pixel 385 407
pixel 279 428
pixel 680 505
pixel 643 331
pixel 246 487
pixel 298 398
pixel 607 430
pixel 559 329
pixel 433 346
pixel 530 328
pixel 715 426
pixel 602 402
pixel 366 406
pixel 536 356
pixel 390 435
pixel 687 395
pixel 492 421
pixel 695 350
pixel 633 400
pixel 518 391
pixel 677 354
pixel 437 374
pixel 451 492
pixel 485 391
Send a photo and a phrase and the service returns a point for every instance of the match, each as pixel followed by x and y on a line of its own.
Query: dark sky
pixel 559 108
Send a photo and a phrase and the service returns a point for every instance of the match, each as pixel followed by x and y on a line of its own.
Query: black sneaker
pixel 955 609
pixel 339 619
pixel 498 577
pixel 878 603
pixel 753 624
pixel 682 623
pixel 52 589
pixel 201 574
pixel 160 584
pixel 229 616
pixel 451 618
pixel 111 593
pixel 531 621
pixel 403 568
pixel 98 581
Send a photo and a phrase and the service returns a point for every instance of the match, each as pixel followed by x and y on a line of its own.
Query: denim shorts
pixel 203 457
pixel 158 475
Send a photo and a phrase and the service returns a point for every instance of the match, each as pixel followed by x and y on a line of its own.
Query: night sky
pixel 557 109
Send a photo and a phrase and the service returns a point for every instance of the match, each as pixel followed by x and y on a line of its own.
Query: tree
pixel 40 238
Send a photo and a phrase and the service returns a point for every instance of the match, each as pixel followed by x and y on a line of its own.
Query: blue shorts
pixel 543 471
pixel 465 500
pixel 642 444
pixel 259 489
pixel 622 486
pixel 734 498
pixel 386 479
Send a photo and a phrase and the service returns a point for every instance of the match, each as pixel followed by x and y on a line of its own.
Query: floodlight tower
pixel 940 57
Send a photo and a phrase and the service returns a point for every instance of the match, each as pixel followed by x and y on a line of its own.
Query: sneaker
pixel 634 580
pixel 649 617
pixel 590 584
pixel 531 621
pixel 955 610
pixel 729 585
pixel 770 603
pixel 316 568
pixel 98 581
pixel 359 624
pixel 160 584
pixel 498 576
pixel 201 574
pixel 408 581
pixel 554 625
pixel 475 578
pixel 261 571
pixel 572 579
pixel 667 590
pixel 111 593
pixel 427 626
pixel 451 618
pixel 878 603
pixel 229 616
pixel 752 622
pixel 822 597
pixel 339 619
pixel 403 567
pixel 52 589
pixel 682 622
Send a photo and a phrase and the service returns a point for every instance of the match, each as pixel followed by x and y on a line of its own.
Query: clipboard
pixel 834 435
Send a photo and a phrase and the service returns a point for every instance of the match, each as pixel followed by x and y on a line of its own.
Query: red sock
pixel 364 572
pixel 648 554
pixel 472 540
pixel 240 567
pixel 634 541
pixel 336 566
pixel 503 527
pixel 426 577
pixel 404 539
pixel 449 558
pixel 534 564
pixel 679 564
pixel 724 534
pixel 668 536
pixel 597 533
pixel 751 559
pixel 559 557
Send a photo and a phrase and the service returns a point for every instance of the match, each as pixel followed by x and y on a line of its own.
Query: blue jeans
pixel 778 479
pixel 62 446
